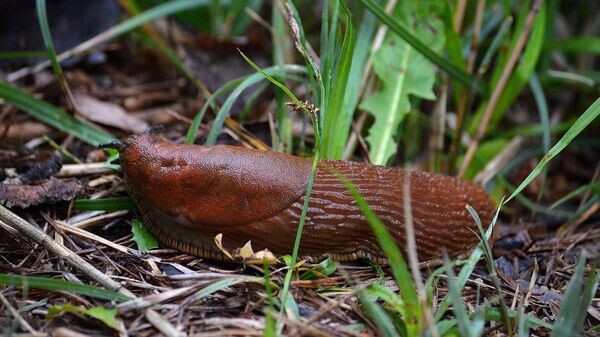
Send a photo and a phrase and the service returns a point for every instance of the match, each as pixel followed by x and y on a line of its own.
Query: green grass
pixel 413 316
pixel 336 120
pixel 576 299
pixel 34 282
pixel 578 126
pixel 53 115
pixel 105 204
pixel 50 51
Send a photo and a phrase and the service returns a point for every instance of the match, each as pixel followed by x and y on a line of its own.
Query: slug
pixel 189 194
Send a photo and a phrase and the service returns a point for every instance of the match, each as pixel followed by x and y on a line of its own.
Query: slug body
pixel 188 194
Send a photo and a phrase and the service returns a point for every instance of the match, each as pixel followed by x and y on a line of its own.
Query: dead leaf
pixel 50 191
pixel 23 132
pixel 246 251
pixel 108 113
pixel 219 244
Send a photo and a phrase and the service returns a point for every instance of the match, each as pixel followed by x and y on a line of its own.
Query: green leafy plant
pixel 105 315
pixel 404 72
pixel 144 240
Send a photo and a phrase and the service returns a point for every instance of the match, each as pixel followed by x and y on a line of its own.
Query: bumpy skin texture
pixel 190 193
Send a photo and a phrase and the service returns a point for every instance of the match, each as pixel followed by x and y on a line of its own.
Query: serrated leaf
pixel 144 240
pixel 403 72
pixel 105 315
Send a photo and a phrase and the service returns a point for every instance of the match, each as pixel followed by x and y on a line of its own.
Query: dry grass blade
pixel 78 262
pixel 495 165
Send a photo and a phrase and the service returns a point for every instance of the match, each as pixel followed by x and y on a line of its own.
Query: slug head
pixel 196 185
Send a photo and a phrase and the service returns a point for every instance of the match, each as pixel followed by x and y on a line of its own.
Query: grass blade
pixel 465 326
pixel 21 54
pixel 379 316
pixel 594 187
pixel 61 285
pixel 227 282
pixel 192 132
pixel 53 115
pixel 156 12
pixel 286 301
pixel 395 259
pixel 576 44
pixel 468 268
pixel 249 81
pixel 581 123
pixel 362 48
pixel 270 326
pixel 520 75
pixel 336 121
pixel 495 314
pixel 542 105
pixel 106 204
pixel 492 269
pixel 575 301
pixel 50 51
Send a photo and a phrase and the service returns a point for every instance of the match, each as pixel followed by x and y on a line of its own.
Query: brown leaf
pixel 23 132
pixel 108 113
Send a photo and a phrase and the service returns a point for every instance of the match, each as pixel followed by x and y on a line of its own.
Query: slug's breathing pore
pixel 189 194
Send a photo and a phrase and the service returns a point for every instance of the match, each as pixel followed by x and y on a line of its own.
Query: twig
pixel 78 262
pixel 69 170
pixel 80 48
pixel 91 221
pixel 150 300
pixel 499 89
pixel 534 274
pixel 91 236
pixel 17 316
pixel 333 304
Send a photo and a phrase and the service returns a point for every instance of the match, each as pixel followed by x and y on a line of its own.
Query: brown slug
pixel 188 194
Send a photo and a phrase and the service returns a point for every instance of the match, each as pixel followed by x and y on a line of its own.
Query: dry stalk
pixel 504 77
pixel 459 15
pixel 35 234
pixel 413 260
pixel 17 316
pixel 495 165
